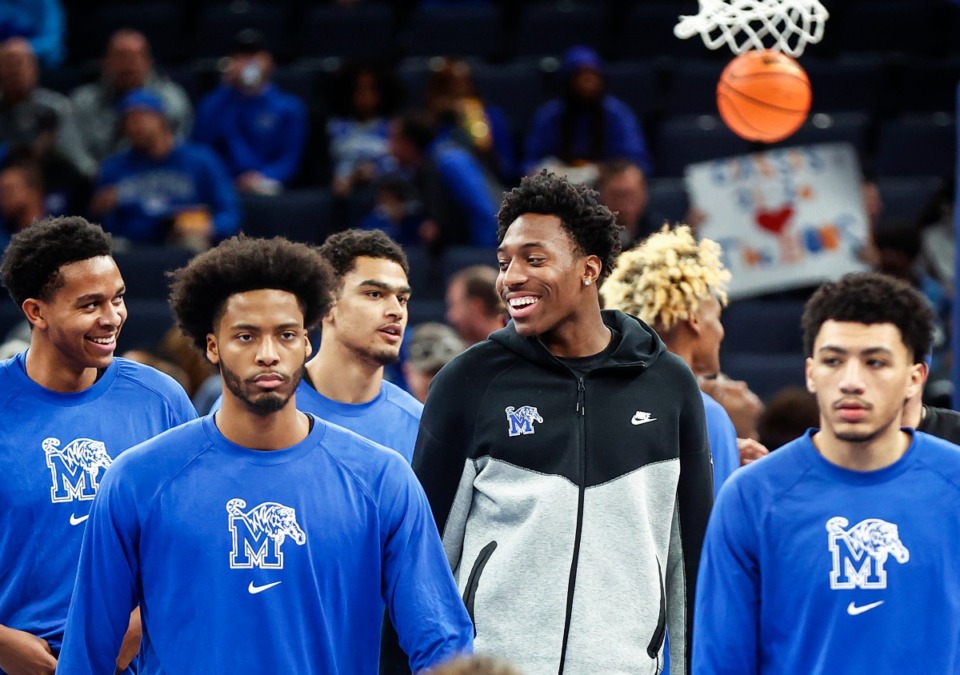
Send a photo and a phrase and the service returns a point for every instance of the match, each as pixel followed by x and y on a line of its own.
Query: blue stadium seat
pixel 917 145
pixel 452 30
pixel 907 26
pixel 456 258
pixel 362 31
pixel 851 127
pixel 426 278
pixel 668 199
pixel 646 31
pixel 218 25
pixel 147 322
pixel 765 374
pixel 852 84
pixel 422 310
pixel 160 22
pixel 688 140
pixel 144 269
pixel 693 88
pixel 904 198
pixel 634 83
pixel 515 87
pixel 550 29
pixel 299 215
pixel 926 85
pixel 763 326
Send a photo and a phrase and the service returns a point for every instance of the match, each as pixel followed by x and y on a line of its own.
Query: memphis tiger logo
pixel 259 534
pixel 75 469
pixel 860 553
pixel 521 419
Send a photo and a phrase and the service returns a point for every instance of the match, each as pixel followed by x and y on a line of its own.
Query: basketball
pixel 763 95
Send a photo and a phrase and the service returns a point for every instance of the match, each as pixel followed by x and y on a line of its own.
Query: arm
pixel 421 596
pixel 24 653
pixel 694 500
pixel 106 590
pixel 728 593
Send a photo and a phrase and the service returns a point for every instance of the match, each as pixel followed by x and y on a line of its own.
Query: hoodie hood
pixel 639 344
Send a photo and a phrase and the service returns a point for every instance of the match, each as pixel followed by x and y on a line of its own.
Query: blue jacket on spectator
pixel 264 132
pixel 41 22
pixel 151 192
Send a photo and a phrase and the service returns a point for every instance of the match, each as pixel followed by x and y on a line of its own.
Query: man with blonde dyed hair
pixel 678 286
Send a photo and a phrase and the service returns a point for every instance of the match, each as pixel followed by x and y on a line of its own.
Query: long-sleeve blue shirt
pixel 152 191
pixel 249 561
pixel 623 138
pixel 265 132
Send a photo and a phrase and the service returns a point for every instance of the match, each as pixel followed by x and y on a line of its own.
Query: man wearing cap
pixel 162 190
pixel 127 65
pixel 432 346
pixel 256 129
pixel 585 125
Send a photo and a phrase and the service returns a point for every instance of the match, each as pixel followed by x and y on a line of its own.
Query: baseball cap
pixel 433 344
pixel 581 57
pixel 141 99
pixel 248 41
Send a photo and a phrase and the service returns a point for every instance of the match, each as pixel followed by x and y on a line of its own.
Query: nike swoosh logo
pixel 853 610
pixel 253 589
pixel 637 421
pixel 76 521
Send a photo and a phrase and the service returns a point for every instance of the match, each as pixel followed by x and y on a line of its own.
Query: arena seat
pixel 299 215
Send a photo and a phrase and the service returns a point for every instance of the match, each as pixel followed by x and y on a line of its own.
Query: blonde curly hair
pixel 663 280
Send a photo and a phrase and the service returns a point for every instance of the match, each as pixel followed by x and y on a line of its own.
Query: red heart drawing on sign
pixel 774 221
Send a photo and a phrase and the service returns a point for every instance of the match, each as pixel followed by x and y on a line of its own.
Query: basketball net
pixel 784 25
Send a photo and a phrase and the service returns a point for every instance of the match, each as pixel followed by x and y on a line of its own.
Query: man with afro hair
pixel 261 538
pixel 68 408
pixel 566 457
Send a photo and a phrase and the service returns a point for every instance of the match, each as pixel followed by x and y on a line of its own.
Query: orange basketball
pixel 763 95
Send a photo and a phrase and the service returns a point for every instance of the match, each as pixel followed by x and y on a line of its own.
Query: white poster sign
pixel 785 218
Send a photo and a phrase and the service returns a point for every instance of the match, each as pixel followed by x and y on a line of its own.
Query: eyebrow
pixel 529 244
pixel 385 286
pixel 252 327
pixel 871 351
pixel 93 297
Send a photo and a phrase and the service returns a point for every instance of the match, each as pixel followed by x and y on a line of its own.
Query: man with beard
pixel 259 538
pixel 837 552
pixel 362 333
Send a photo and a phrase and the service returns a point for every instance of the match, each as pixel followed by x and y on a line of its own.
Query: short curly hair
pixel 32 261
pixel 664 279
pixel 871 298
pixel 342 249
pixel 590 224
pixel 199 291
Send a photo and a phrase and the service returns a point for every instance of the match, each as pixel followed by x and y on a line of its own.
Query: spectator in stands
pixel 21 198
pixel 127 66
pixel 28 111
pixel 678 286
pixel 623 189
pixel 162 190
pixel 938 233
pixel 40 22
pixel 584 126
pixel 464 118
pixel 257 130
pixel 459 196
pixel 363 98
pixel 787 416
pixel 474 307
pixel 432 346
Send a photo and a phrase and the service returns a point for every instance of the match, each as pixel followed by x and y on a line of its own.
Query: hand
pixel 131 642
pixel 743 406
pixel 25 654
pixel 750 450
pixel 105 200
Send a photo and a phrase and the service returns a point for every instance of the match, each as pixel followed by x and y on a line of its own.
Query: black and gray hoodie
pixel 572 509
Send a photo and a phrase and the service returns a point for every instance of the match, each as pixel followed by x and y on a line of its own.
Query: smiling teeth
pixel 522 302
pixel 105 341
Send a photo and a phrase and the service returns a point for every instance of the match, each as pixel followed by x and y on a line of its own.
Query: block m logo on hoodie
pixel 75 469
pixel 860 552
pixel 258 534
pixel 521 419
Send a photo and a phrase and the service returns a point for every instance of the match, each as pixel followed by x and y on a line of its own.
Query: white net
pixel 784 25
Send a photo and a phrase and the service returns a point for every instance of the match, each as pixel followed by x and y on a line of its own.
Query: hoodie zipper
pixel 572 580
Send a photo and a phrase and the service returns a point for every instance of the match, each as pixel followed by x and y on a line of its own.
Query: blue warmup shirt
pixel 811 568
pixel 264 133
pixel 723 442
pixel 247 561
pixel 54 450
pixel 151 191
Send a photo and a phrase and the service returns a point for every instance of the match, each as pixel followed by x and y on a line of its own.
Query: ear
pixel 591 270
pixel 213 351
pixel 694 323
pixel 33 309
pixel 808 369
pixel 308 346
pixel 918 376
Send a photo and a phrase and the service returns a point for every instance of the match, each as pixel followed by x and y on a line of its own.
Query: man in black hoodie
pixel 566 457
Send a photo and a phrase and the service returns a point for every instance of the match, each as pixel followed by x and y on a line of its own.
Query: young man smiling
pixel 260 539
pixel 836 553
pixel 566 458
pixel 68 408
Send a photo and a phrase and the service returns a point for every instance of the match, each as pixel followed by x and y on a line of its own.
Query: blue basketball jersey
pixel 808 567
pixel 54 451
